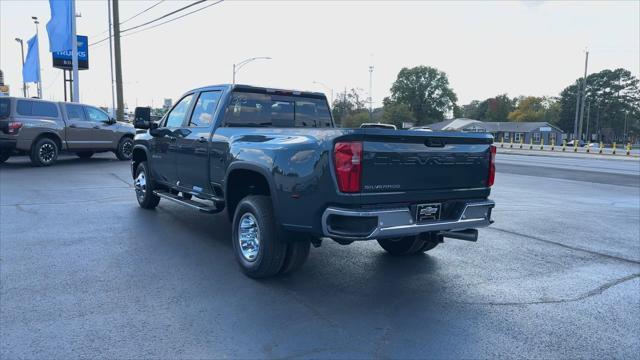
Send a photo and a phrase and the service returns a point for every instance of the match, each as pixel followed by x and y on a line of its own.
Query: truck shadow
pixel 22 162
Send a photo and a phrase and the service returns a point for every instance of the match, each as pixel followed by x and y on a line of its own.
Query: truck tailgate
pixel 420 160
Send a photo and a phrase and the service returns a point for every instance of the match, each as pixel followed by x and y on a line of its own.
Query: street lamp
pixel 24 85
pixel 326 88
pixel 36 22
pixel 238 66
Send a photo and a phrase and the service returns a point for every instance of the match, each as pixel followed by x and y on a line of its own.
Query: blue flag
pixel 59 27
pixel 31 68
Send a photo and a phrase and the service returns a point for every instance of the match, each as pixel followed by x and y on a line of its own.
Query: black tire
pixel 144 187
pixel 125 148
pixel 44 152
pixel 84 154
pixel 296 256
pixel 5 154
pixel 403 246
pixel 256 213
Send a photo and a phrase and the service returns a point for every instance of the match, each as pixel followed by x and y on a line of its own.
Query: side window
pixel 204 109
pixel 74 112
pixel 248 109
pixel 282 113
pixel 177 114
pixel 96 115
pixel 37 108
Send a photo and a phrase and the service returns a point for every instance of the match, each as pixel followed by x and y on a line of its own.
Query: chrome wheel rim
pixel 127 148
pixel 140 184
pixel 249 237
pixel 47 152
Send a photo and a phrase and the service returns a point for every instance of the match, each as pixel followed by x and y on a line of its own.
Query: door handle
pixel 202 139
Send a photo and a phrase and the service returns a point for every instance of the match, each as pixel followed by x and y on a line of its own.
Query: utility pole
pixel 39 84
pixel 113 94
pixel 116 46
pixel 588 118
pixel 584 90
pixel 370 93
pixel 24 85
pixel 575 122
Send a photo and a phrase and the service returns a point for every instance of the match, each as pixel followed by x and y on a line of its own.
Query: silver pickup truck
pixel 42 129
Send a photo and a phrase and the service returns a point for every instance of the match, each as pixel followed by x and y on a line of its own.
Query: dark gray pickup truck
pixel 42 129
pixel 288 178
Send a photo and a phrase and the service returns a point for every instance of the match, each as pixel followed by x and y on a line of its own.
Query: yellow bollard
pixel 588 148
pixel 521 142
pixel 601 147
pixel 511 143
pixel 541 143
pixel 575 145
pixel 628 148
pixel 614 148
pixel 553 143
pixel 564 145
pixel 531 142
pixel 502 142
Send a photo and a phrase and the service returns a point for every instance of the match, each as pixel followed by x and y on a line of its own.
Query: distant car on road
pixel 42 129
pixel 378 126
pixel 573 142
pixel 421 128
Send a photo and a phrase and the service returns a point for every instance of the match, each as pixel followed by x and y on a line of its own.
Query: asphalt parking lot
pixel 86 273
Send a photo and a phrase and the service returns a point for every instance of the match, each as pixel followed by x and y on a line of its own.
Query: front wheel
pixel 257 248
pixel 125 149
pixel 144 187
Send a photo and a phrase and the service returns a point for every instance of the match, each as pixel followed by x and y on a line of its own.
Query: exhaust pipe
pixel 467 235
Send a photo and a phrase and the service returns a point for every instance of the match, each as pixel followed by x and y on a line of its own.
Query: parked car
pixel 287 178
pixel 421 128
pixel 572 143
pixel 377 126
pixel 42 129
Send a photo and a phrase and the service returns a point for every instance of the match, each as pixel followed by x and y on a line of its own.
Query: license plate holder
pixel 428 212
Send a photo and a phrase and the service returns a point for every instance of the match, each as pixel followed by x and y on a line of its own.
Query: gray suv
pixel 42 129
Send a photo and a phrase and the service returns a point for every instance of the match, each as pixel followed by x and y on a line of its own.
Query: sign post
pixel 64 60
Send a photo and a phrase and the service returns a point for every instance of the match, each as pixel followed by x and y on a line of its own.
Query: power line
pixel 134 16
pixel 162 17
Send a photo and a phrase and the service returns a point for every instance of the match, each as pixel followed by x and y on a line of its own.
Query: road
pixel 86 273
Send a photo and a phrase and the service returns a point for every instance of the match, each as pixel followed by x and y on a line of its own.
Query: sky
pixel 486 48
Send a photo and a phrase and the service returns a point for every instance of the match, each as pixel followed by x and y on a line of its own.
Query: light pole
pixel 326 88
pixel 238 66
pixel 24 85
pixel 370 95
pixel 36 22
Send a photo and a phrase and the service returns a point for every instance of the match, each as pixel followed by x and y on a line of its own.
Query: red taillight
pixel 13 127
pixel 347 158
pixel 492 166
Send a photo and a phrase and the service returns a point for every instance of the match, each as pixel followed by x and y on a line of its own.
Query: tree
pixel 347 103
pixel 532 108
pixel 612 95
pixel 355 119
pixel 492 109
pixel 396 114
pixel 426 91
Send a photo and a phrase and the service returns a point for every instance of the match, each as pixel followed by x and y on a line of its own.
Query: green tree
pixel 532 108
pixel 492 109
pixel 612 96
pixel 396 114
pixel 426 91
pixel 355 119
pixel 347 103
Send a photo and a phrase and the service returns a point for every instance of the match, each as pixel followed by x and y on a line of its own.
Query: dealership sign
pixel 62 59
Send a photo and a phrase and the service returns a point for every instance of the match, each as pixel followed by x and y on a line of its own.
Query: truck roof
pixel 260 89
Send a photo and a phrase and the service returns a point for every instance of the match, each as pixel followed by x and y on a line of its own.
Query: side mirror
pixel 142 118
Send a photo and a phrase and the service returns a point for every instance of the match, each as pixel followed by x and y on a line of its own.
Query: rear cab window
pixel 36 108
pixel 255 109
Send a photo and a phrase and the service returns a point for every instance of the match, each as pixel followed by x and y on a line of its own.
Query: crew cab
pixel 42 129
pixel 287 178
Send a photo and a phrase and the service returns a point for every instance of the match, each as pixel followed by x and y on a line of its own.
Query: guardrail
pixel 601 149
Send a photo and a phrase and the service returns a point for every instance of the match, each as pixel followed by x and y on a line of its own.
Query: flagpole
pixel 74 54
pixel 39 83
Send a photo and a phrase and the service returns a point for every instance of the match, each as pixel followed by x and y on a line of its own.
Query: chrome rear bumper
pixel 397 222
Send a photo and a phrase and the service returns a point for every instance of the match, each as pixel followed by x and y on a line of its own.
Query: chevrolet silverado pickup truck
pixel 287 178
pixel 42 129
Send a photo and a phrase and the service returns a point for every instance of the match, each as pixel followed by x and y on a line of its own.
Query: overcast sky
pixel 486 48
